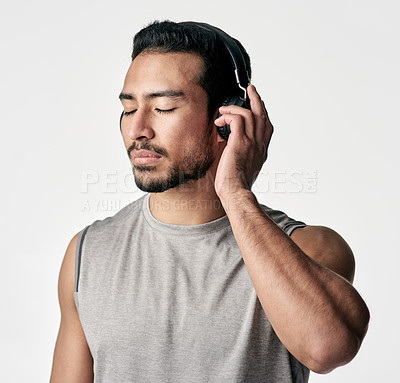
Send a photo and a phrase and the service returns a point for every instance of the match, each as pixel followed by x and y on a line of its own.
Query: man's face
pixel 166 129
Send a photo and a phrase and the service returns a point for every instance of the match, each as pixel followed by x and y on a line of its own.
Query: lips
pixel 144 157
pixel 144 153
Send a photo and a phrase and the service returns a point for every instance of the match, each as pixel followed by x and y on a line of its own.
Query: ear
pixel 219 138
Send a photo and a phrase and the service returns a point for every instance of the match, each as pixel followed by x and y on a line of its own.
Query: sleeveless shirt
pixel 174 303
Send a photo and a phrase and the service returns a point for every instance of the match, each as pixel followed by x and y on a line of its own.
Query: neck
pixel 193 203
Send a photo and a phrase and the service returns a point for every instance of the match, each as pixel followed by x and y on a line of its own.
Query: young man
pixel 197 282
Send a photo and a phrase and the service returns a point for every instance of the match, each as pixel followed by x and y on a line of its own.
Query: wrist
pixel 234 200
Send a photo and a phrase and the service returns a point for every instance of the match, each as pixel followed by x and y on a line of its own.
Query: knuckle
pixel 246 142
pixel 247 112
pixel 238 119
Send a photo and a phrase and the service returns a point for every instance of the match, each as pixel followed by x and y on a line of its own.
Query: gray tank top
pixel 171 303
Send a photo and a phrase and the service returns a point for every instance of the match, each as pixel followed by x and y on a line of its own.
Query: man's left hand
pixel 247 146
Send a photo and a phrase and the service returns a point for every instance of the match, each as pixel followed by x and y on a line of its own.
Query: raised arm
pixel 316 313
pixel 303 283
pixel 72 361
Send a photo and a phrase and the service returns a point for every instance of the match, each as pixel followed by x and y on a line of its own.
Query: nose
pixel 136 126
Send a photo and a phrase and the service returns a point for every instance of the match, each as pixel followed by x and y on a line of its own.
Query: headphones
pixel 241 73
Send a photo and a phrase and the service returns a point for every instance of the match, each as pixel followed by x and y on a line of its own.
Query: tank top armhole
pixel 295 225
pixel 286 223
pixel 78 256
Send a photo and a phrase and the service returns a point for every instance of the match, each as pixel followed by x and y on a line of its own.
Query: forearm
pixel 317 314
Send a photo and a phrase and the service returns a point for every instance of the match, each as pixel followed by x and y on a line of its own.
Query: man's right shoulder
pixel 102 236
pixel 130 212
pixel 95 232
pixel 66 279
pixel 72 359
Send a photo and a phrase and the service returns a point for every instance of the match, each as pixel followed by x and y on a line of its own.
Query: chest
pixel 190 295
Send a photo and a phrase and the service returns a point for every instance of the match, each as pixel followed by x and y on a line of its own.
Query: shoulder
pixel 129 213
pixel 105 234
pixel 326 247
pixel 66 280
pixel 72 359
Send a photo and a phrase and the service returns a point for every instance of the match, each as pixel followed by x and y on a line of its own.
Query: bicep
pixel 72 360
pixel 326 247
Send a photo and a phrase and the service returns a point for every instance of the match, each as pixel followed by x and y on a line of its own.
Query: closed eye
pixel 129 113
pixel 161 111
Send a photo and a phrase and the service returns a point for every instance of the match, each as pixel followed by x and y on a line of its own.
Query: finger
pixel 247 115
pixel 263 124
pixel 236 123
pixel 260 116
pixel 269 126
pixel 255 101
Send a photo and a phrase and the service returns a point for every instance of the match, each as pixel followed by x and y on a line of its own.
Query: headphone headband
pixel 238 61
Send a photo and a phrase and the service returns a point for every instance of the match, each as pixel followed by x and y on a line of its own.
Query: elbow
pixel 338 350
pixel 327 356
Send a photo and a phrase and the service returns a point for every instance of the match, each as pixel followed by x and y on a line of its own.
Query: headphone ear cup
pixel 225 130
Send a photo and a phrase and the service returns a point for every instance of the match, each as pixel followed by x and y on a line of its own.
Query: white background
pixel 328 72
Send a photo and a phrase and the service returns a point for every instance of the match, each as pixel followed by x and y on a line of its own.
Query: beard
pixel 192 167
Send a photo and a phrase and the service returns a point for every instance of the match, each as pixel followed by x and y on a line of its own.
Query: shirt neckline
pixel 203 228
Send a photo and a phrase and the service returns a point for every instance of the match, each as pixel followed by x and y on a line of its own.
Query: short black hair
pixel 218 78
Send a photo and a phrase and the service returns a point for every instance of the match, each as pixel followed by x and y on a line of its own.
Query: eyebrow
pixel 149 96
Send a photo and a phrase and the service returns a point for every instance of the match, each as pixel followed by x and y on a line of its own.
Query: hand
pixel 247 146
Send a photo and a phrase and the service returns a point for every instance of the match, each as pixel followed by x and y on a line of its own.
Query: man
pixel 197 282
